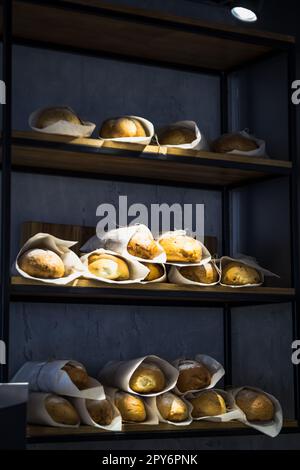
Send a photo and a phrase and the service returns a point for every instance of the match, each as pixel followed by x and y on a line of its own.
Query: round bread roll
pixel 122 127
pixel 156 271
pixel 172 408
pixel 230 142
pixel 42 263
pixel 78 374
pixel 147 378
pixel 256 406
pixel 206 274
pixel 142 245
pixel 101 411
pixel 177 136
pixel 193 376
pixel 182 249
pixel 209 403
pixel 238 274
pixel 61 410
pixel 108 267
pixel 132 408
pixel 50 116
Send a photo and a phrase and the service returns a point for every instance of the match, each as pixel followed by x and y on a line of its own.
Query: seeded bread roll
pixel 77 374
pixel 147 378
pixel 108 267
pixel 208 403
pixel 238 274
pixel 172 408
pixel 230 142
pixel 142 245
pixel 156 271
pixel 132 408
pixel 122 127
pixel 181 248
pixel 193 376
pixel 40 263
pixel 61 410
pixel 176 136
pixel 206 274
pixel 50 116
pixel 101 411
pixel 256 406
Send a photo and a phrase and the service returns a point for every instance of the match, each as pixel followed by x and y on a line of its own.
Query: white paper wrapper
pixel 117 374
pixel 73 265
pixel 38 414
pixel 117 240
pixel 163 278
pixel 94 243
pixel 206 256
pixel 187 422
pixel 176 277
pixel 272 428
pixel 49 377
pixel 135 140
pixel 137 271
pixel 233 411
pixel 199 143
pixel 247 261
pixel 80 405
pixel 62 127
pixel 215 368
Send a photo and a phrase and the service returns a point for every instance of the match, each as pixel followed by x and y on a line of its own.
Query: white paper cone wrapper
pixel 272 428
pixel 233 412
pixel 176 277
pixel 80 405
pixel 163 278
pixel 62 127
pixel 247 261
pixel 49 377
pixel 72 263
pixel 137 271
pixel 37 412
pixel 135 140
pixel 151 419
pixel 259 152
pixel 199 143
pixel 118 374
pixel 117 240
pixel 214 367
pixel 206 256
pixel 187 422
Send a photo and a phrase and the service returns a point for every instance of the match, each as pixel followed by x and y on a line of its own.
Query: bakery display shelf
pixel 88 291
pixel 125 33
pixel 42 434
pixel 84 157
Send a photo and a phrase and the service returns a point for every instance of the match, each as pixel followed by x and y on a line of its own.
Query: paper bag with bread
pixel 130 129
pixel 183 250
pixel 213 405
pixel 48 409
pixel 183 135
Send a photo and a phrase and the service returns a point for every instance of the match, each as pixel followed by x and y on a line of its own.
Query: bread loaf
pixel 108 267
pixel 156 271
pixel 172 408
pixel 147 378
pixel 122 127
pixel 192 376
pixel 44 264
pixel 101 411
pixel 230 142
pixel 77 374
pixel 181 248
pixel 256 406
pixel 208 403
pixel 142 245
pixel 238 274
pixel 49 116
pixel 206 274
pixel 61 410
pixel 132 408
pixel 176 136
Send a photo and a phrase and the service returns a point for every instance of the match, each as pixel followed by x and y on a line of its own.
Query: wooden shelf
pixel 140 34
pixel 138 431
pixel 88 291
pixel 89 158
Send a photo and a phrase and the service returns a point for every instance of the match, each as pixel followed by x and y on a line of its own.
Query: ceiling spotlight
pixel 246 10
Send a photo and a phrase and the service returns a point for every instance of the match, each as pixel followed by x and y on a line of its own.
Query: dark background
pixel 97 88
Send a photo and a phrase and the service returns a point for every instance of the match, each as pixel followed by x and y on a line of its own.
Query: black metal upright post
pixel 6 181
pixel 294 217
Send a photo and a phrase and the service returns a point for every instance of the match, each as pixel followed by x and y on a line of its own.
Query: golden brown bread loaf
pixel 230 142
pixel 192 376
pixel 61 410
pixel 181 248
pixel 208 403
pixel 156 271
pixel 122 127
pixel 172 408
pixel 256 406
pixel 176 136
pixel 77 374
pixel 206 274
pixel 40 263
pixel 108 267
pixel 238 274
pixel 50 116
pixel 142 245
pixel 132 408
pixel 147 378
pixel 101 411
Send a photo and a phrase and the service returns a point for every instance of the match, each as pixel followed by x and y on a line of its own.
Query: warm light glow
pixel 243 14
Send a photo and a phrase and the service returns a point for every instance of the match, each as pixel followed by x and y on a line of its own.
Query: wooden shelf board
pixel 44 152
